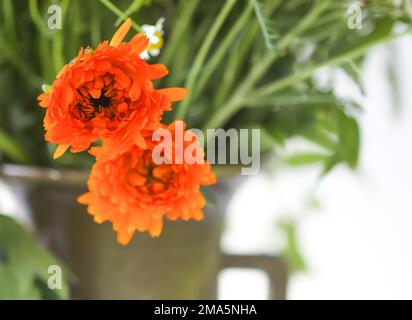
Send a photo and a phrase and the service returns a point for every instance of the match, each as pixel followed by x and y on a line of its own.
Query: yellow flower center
pixel 159 44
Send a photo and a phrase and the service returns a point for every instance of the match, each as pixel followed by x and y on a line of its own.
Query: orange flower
pixel 106 93
pixel 134 191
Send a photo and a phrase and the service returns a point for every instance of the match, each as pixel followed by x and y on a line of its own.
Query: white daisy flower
pixel 155 35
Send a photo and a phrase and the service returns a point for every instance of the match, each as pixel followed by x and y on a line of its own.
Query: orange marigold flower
pixel 106 93
pixel 135 192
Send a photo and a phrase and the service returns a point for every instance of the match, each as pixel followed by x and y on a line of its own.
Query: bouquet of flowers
pixel 108 94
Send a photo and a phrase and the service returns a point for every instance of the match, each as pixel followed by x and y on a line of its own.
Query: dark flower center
pixel 149 178
pixel 100 98
pixel 102 101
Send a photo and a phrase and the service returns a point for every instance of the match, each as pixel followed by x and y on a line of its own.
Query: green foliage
pixel 292 252
pixel 31 55
pixel 12 149
pixel 266 25
pixel 24 265
pixel 305 158
pixel 246 64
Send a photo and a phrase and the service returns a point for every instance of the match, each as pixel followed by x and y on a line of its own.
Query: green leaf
pixel 329 164
pixel 349 139
pixel 24 265
pixel 352 70
pixel 267 26
pixel 292 252
pixel 306 158
pixel 295 98
pixel 321 138
pixel 383 28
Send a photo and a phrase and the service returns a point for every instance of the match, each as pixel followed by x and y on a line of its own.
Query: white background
pixel 358 245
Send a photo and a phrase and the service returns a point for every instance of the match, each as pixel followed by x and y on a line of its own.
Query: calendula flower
pixel 135 192
pixel 107 94
pixel 155 34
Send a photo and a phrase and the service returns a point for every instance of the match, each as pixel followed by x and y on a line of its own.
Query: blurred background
pixel 325 83
pixel 355 242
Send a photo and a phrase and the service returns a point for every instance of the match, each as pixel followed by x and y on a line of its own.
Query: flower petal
pixel 156 227
pixel 158 71
pixel 124 237
pixel 139 140
pixel 121 33
pixel 139 43
pixel 174 94
pixel 60 150
pixel 85 198
pixel 135 91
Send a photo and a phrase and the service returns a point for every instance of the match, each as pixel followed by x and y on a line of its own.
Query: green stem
pixel 235 102
pixel 109 5
pixel 95 29
pixel 222 50
pixel 38 19
pixel 280 84
pixel 10 55
pixel 239 53
pixel 180 27
pixel 201 55
pixel 305 73
pixel 239 56
pixel 9 21
pixel 305 23
pixel 132 8
pixel 58 42
pixel 57 47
